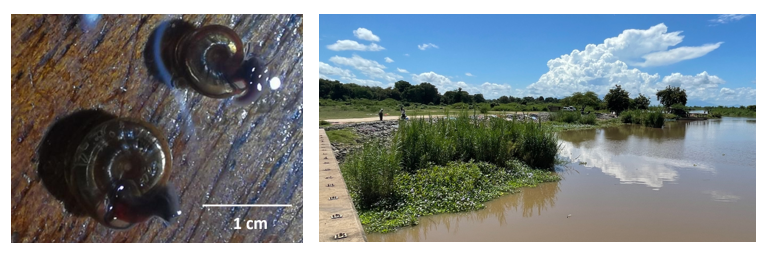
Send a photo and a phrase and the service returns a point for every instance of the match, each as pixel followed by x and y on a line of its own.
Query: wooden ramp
pixel 337 214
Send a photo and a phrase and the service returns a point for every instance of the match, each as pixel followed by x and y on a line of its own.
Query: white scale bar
pixel 247 205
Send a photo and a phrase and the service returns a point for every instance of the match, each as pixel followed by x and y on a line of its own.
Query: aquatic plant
pixel 456 187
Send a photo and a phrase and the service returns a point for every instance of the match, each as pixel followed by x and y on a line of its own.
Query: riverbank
pixel 397 172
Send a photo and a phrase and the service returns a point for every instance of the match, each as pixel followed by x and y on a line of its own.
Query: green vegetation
pixel 516 107
pixel 573 117
pixel 583 100
pixel 445 165
pixel 671 96
pixel 617 99
pixel 641 102
pixel 560 126
pixel 742 111
pixel 347 136
pixel 324 123
pixel 456 187
pixel 649 118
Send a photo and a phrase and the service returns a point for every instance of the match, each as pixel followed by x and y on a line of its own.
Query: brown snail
pixel 120 172
pixel 211 60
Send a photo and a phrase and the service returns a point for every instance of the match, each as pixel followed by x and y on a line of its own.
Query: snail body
pixel 120 172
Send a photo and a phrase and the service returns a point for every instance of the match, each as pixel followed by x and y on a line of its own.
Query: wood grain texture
pixel 223 153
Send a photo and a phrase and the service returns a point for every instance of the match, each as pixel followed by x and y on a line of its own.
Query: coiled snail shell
pixel 210 59
pixel 120 171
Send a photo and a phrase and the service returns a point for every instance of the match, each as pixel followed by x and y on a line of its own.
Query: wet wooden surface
pixel 223 153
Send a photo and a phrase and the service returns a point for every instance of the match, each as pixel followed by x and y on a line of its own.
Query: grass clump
pixel 324 123
pixel 426 142
pixel 370 174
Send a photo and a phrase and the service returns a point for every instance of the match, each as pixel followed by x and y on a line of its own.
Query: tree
pixel 641 102
pixel 617 99
pixel 583 100
pixel 478 98
pixel 503 99
pixel 402 86
pixel 671 96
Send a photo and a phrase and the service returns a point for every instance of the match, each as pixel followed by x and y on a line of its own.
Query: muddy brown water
pixel 690 181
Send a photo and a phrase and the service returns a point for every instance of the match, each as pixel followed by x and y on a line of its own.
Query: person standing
pixel 404 114
pixel 381 114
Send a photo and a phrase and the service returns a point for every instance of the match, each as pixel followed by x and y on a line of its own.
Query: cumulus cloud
pixel 370 68
pixel 365 34
pixel 423 47
pixel 701 86
pixel 469 74
pixel 388 60
pixel 725 18
pixel 599 67
pixel 444 84
pixel 349 45
pixel 402 70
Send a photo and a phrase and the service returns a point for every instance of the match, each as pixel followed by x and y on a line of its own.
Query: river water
pixel 689 181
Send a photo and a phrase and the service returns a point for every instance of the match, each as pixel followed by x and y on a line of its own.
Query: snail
pixel 120 173
pixel 212 60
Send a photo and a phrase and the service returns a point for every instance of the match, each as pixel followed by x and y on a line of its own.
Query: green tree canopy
pixel 617 99
pixel 641 102
pixel 583 100
pixel 671 96
pixel 402 86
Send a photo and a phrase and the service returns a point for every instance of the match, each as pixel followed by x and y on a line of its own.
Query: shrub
pixel 588 119
pixel 651 118
pixel 460 105
pixel 484 108
pixel 565 116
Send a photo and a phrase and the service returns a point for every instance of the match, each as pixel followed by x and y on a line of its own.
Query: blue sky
pixel 711 56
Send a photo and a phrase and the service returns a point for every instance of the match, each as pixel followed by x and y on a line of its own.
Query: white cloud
pixel 328 70
pixel 407 54
pixel 370 68
pixel 388 60
pixel 469 74
pixel 741 95
pixel 402 70
pixel 599 67
pixel 426 46
pixel 494 91
pixel 364 82
pixel 444 84
pixel 678 54
pixel 349 45
pixel 365 34
pixel 701 86
pixel 725 18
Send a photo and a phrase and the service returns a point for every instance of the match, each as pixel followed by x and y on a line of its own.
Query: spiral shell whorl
pixel 210 58
pixel 118 151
